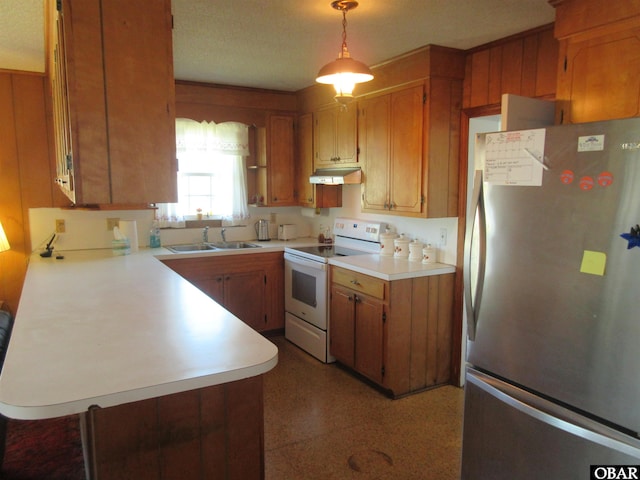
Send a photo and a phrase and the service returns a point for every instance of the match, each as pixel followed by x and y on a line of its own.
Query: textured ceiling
pixel 281 44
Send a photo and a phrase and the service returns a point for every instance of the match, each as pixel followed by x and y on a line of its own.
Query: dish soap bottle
pixel 154 236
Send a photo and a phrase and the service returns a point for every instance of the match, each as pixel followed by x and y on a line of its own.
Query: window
pixel 211 172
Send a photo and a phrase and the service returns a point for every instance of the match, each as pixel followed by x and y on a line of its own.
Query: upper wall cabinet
pixel 525 64
pixel 335 143
pixel 271 178
pixel 599 64
pixel 111 67
pixel 391 133
pixel 307 194
pixel 409 138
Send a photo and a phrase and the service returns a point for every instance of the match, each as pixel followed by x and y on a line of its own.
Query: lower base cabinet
pixel 248 285
pixel 397 334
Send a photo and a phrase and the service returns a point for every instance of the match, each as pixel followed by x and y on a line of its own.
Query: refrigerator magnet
pixel 633 237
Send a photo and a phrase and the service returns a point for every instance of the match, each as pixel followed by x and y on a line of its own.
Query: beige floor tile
pixel 321 422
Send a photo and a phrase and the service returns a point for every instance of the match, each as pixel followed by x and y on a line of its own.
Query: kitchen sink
pixel 191 247
pixel 233 245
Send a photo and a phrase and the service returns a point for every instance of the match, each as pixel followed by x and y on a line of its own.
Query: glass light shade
pixel 344 72
pixel 4 243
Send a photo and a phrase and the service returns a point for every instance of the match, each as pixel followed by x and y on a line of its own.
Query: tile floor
pixel 323 423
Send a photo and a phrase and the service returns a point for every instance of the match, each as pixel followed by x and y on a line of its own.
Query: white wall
pixel 87 229
pixel 426 230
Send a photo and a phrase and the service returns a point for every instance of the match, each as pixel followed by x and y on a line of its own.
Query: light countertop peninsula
pixel 98 329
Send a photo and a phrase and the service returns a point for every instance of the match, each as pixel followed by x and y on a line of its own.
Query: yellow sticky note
pixel 593 262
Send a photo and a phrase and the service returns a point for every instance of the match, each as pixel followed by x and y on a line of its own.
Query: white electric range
pixel 307 282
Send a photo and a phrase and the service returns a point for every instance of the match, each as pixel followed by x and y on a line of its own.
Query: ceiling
pixel 281 44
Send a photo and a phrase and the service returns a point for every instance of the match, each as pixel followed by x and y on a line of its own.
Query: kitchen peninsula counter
pixel 117 338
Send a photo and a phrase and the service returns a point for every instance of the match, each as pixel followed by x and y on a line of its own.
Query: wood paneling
pixel 523 64
pixel 573 16
pixel 221 103
pixel 212 432
pixel 26 172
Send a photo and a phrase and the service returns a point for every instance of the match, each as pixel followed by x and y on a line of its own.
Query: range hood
pixel 336 176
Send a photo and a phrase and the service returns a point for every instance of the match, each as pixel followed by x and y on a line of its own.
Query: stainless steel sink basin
pixel 233 245
pixel 191 247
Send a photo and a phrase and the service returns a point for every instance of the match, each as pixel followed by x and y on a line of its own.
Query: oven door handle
pixel 304 262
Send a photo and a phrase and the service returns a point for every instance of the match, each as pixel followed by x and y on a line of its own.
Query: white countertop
pixel 387 267
pixel 98 329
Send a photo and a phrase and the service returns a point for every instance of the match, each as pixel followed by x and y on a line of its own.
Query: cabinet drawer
pixel 359 282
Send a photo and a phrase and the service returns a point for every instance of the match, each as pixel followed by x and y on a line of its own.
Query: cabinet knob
pixel 355 282
pixel 350 298
pixel 356 299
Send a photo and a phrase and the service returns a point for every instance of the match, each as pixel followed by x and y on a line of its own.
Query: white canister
pixel 386 243
pixel 401 247
pixel 429 254
pixel 415 251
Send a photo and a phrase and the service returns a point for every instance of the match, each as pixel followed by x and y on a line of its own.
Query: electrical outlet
pixel 443 236
pixel 60 225
pixel 112 222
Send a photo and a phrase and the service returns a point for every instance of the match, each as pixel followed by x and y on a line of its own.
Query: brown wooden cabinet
pixel 398 334
pixel 524 64
pixel 308 194
pixel 249 285
pixel 335 142
pixel 391 137
pixel 271 179
pixel 599 61
pixel 112 82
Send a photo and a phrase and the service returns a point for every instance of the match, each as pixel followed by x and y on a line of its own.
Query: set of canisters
pixel 398 246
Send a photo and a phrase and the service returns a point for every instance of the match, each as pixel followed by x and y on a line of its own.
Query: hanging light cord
pixel 344 32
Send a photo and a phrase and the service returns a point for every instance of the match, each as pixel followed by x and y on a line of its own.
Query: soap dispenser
pixel 154 236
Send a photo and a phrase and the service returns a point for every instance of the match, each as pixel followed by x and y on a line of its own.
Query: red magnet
pixel 605 179
pixel 586 183
pixel 566 177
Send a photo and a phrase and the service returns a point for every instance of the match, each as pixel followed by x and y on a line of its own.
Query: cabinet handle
pixel 350 298
pixel 356 299
pixel 355 282
pixel 392 205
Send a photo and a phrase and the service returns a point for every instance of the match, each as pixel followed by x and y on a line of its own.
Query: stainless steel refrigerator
pixel 552 295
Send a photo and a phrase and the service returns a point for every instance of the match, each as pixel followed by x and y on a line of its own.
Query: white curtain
pixel 204 147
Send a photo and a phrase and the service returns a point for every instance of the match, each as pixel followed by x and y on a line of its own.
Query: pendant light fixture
pixel 344 72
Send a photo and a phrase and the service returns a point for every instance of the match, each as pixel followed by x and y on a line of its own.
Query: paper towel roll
pixel 129 229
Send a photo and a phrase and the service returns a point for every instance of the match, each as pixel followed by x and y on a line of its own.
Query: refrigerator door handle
pixel 473 299
pixel 555 415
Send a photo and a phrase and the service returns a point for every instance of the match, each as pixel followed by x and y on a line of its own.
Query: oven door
pixel 305 289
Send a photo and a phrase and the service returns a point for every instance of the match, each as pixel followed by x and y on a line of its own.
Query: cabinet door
pixel 335 136
pixel 374 128
pixel 346 134
pixel 601 78
pixel 369 337
pixel 305 192
pixel 139 88
pixel 405 177
pixel 325 138
pixel 280 160
pixel 342 325
pixel 244 296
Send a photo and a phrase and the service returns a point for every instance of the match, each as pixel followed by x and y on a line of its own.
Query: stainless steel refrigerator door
pixel 543 321
pixel 510 434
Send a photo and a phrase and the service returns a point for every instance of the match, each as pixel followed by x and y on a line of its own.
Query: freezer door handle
pixel 555 415
pixel 477 220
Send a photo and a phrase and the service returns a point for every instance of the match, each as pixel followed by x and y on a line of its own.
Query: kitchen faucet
pixel 205 234
pixel 222 232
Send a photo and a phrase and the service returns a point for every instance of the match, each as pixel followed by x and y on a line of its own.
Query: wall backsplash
pixel 87 229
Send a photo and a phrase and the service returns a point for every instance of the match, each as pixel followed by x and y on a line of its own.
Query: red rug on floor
pixel 43 450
